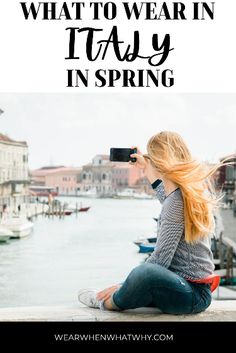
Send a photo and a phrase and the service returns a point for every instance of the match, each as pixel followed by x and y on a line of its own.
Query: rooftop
pixel 7 139
pixel 54 170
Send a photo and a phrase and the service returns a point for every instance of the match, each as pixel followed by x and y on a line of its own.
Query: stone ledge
pixel 218 311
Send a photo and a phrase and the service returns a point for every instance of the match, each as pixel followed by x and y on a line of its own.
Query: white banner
pixel 199 57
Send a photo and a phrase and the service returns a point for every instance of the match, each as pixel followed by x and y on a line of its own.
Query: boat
pixel 140 241
pixel 5 234
pixel 92 193
pixel 67 212
pixel 125 194
pixel 145 240
pixel 20 227
pixel 152 239
pixel 142 196
pixel 83 209
pixel 145 248
pixel 129 193
pixel 59 212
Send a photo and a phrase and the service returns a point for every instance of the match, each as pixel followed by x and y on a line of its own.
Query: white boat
pixel 5 234
pixel 90 193
pixel 142 196
pixel 126 194
pixel 19 226
pixel 132 194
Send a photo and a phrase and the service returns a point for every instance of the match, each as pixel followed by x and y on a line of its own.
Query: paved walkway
pixel 218 311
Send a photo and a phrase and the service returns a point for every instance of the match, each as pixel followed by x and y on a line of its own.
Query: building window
pixel 84 176
pixel 25 158
pixel 103 176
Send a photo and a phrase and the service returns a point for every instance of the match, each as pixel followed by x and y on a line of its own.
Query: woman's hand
pixel 107 293
pixel 140 163
pixel 144 163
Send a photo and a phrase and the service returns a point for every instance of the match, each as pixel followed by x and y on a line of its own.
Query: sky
pixel 70 129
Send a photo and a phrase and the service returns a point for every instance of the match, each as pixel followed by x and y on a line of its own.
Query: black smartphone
pixel 122 154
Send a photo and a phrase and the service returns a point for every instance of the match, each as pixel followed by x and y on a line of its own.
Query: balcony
pixel 15 182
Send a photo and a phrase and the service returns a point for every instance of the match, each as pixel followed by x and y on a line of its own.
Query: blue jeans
pixel 151 285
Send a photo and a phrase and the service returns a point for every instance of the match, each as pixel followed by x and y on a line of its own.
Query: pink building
pixel 66 180
pixel 106 178
pixel 125 175
pixel 38 176
pixel 101 177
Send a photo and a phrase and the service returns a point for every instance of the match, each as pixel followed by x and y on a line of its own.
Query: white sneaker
pixel 88 298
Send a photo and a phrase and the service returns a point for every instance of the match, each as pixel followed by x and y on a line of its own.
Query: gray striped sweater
pixel 171 250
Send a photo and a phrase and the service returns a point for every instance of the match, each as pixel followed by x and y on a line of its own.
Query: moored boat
pixel 19 226
pixel 152 239
pixel 5 234
pixel 83 209
pixel 145 248
pixel 59 212
pixel 142 196
pixel 145 240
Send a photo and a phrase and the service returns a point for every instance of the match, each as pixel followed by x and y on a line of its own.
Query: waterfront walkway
pixel 28 210
pixel 218 311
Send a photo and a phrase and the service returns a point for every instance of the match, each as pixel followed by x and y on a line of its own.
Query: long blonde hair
pixel 172 158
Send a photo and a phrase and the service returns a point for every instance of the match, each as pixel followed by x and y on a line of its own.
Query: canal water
pixel 93 249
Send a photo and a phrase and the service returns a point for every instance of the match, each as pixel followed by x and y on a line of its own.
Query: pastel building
pixel 67 181
pixel 64 180
pixel 125 175
pixel 14 172
pixel 97 176
pixel 105 177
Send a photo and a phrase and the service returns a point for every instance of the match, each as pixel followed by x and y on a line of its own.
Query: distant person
pixel 19 209
pixel 4 211
pixel 50 198
pixel 178 277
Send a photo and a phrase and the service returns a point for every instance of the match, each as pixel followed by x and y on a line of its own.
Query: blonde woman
pixel 178 277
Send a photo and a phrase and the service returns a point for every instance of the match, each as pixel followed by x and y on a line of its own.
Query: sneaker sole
pixel 82 291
